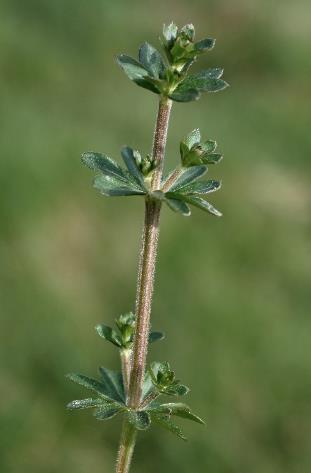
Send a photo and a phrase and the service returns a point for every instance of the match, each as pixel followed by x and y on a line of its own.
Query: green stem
pixel 127 444
pixel 145 283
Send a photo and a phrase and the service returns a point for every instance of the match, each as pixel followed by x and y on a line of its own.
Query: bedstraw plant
pixel 136 390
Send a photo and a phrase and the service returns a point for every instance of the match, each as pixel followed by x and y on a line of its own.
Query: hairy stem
pixel 145 284
pixel 148 259
pixel 127 444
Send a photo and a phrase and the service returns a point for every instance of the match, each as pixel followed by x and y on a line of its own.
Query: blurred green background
pixel 232 294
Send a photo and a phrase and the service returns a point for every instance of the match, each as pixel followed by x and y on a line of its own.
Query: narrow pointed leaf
pixel 107 411
pixel 176 390
pixel 132 68
pixel 212 158
pixel 203 187
pixel 150 84
pixel 84 403
pixel 140 419
pixel 201 204
pixel 155 336
pixel 101 162
pixel 147 385
pixel 130 162
pixel 181 410
pixel 91 383
pixel 178 206
pixel 208 146
pixel 185 95
pixel 109 186
pixel 109 334
pixel 167 424
pixel 202 83
pixel 113 383
pixel 205 44
pixel 193 138
pixel 186 177
pixel 152 60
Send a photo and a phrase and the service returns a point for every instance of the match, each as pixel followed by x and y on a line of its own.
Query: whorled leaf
pixel 152 60
pixel 156 336
pixel 167 424
pixel 99 387
pixel 109 334
pixel 201 204
pixel 111 187
pixel 113 382
pixel 193 138
pixel 141 420
pixel 202 187
pixel 188 95
pixel 187 176
pixel 132 68
pixel 205 44
pixel 178 409
pixel 107 411
pixel 212 158
pixel 101 162
pixel 129 158
pixel 202 83
pixel 84 403
pixel 163 378
pixel 178 206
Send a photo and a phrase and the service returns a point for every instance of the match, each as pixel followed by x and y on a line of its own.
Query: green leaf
pixel 176 389
pixel 201 83
pixel 104 164
pixel 184 150
pixel 188 175
pixel 150 84
pixel 128 155
pixel 205 44
pixel 113 382
pixel 204 187
pixel 132 68
pixel 201 204
pixel 193 138
pixel 155 336
pixel 109 334
pixel 107 411
pixel 208 146
pixel 212 158
pixel 152 60
pixel 185 95
pixel 140 419
pixel 167 424
pixel 111 187
pixel 178 206
pixel 84 403
pixel 180 409
pixel 212 73
pixel 91 383
pixel 148 385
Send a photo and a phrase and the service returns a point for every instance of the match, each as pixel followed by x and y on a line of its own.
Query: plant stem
pixel 145 283
pixel 148 259
pixel 127 444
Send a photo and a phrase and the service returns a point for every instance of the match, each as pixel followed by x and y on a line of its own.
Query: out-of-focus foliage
pixel 235 306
